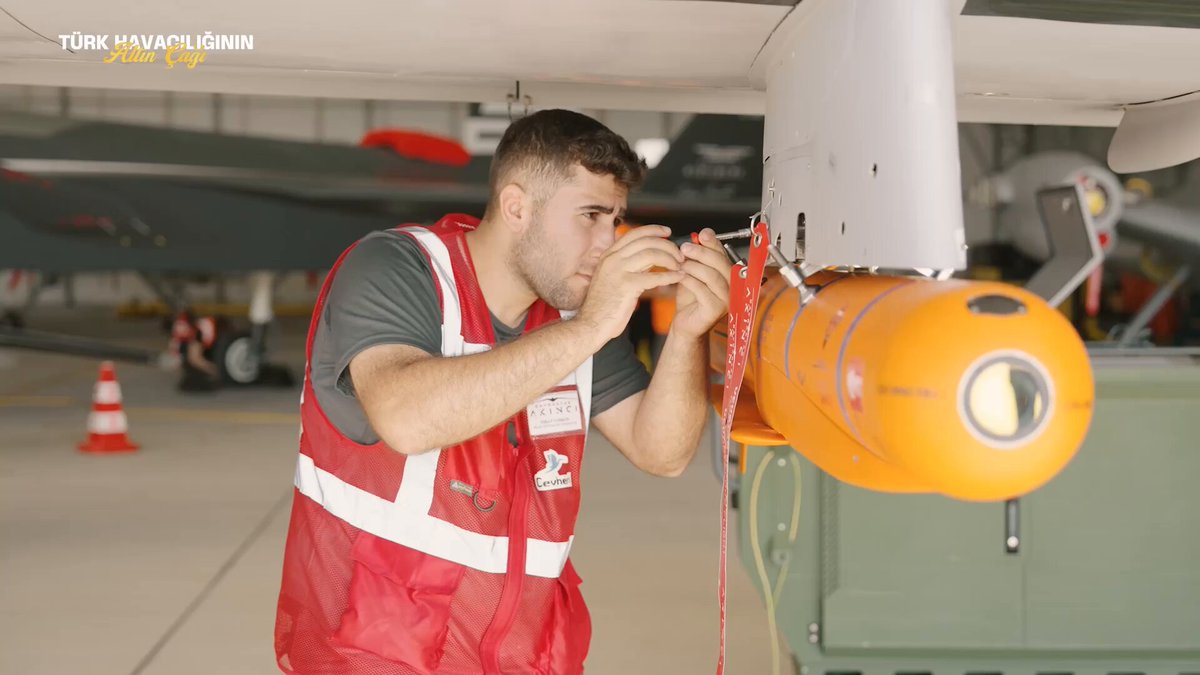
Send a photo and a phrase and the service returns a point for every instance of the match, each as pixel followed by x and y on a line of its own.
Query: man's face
pixel 559 252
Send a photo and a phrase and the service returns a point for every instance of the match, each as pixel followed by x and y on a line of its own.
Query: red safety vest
pixel 184 331
pixel 452 561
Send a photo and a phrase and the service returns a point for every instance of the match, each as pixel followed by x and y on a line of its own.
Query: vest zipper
pixel 514 577
pixel 511 427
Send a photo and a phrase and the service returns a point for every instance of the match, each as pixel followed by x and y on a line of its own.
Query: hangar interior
pixel 167 559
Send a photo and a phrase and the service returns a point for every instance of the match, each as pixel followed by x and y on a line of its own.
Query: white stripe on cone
pixel 107 392
pixel 107 423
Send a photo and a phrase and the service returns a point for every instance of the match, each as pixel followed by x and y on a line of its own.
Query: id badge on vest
pixel 558 412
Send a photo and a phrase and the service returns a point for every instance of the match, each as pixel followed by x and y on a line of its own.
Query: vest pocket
pixel 399 603
pixel 570 631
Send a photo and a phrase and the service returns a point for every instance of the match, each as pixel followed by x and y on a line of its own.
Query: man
pixel 193 338
pixel 453 374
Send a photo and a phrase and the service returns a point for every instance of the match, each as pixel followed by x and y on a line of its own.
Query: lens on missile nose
pixel 1005 399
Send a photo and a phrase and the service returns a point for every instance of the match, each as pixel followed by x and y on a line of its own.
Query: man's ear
pixel 516 208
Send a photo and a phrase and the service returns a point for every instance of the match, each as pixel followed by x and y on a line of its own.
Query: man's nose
pixel 606 237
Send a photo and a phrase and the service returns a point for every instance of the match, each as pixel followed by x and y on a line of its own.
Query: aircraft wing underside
pixel 1016 61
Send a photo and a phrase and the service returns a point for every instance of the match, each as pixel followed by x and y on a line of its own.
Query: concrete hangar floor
pixel 167 560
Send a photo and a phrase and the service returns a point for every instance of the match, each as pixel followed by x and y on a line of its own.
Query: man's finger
pixel 652 243
pixel 709 277
pixel 644 260
pixel 709 238
pixel 638 233
pixel 705 237
pixel 716 259
pixel 644 281
pixel 699 289
pixel 704 295
pixel 683 295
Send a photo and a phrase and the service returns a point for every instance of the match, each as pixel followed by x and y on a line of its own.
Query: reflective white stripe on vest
pixel 581 377
pixel 404 523
pixel 208 330
pixel 583 381
pixel 439 256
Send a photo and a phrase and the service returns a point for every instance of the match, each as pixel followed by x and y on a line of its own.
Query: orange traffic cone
pixel 107 425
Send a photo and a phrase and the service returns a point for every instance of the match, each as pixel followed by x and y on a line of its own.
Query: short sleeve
pixel 383 293
pixel 617 374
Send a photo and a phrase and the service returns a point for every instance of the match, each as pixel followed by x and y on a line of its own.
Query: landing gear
pixel 239 353
pixel 237 358
pixel 268 374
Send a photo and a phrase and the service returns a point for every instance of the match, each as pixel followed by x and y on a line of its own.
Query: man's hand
pixel 703 295
pixel 624 274
pixel 659 429
pixel 195 356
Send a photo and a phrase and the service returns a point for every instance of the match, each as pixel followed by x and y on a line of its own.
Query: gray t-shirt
pixel 384 294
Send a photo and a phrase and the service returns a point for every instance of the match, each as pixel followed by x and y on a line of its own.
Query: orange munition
pixel 975 390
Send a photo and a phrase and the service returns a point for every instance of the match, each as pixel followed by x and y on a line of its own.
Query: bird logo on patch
pixel 549 478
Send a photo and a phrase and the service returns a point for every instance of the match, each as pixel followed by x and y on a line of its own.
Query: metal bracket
pixel 516 98
pixel 744 233
pixel 793 273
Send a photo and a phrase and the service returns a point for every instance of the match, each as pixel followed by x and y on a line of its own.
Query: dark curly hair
pixel 548 143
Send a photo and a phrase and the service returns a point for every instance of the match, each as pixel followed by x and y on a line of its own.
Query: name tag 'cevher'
pixel 555 413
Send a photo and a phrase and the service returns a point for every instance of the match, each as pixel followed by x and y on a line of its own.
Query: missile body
pixel 979 391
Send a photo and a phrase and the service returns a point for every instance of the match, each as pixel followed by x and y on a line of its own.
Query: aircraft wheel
pixel 237 359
